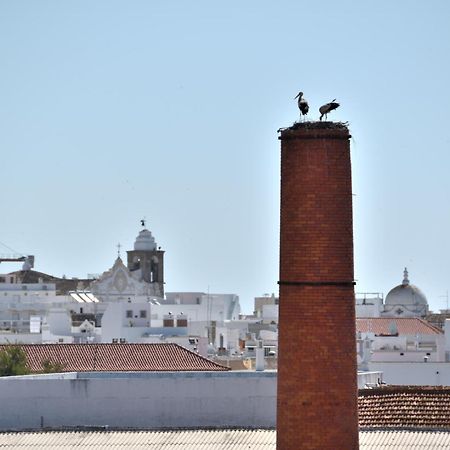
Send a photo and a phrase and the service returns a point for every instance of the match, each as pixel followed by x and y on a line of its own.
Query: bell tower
pixel 148 259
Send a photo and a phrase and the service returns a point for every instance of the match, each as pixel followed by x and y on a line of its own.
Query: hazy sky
pixel 115 110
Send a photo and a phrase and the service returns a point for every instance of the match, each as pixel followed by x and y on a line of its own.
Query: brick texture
pixel 317 387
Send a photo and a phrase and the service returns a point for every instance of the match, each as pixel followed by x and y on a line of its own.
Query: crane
pixel 28 260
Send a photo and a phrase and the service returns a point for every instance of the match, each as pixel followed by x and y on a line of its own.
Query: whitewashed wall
pixel 139 400
pixel 143 400
pixel 414 373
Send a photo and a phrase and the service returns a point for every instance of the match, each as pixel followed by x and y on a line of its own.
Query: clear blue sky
pixel 115 110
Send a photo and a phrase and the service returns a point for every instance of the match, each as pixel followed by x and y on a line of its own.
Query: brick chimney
pixel 317 378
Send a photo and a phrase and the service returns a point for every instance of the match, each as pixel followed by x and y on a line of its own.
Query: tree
pixel 13 361
pixel 49 366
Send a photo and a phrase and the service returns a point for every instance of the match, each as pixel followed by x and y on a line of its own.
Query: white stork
pixel 302 104
pixel 325 109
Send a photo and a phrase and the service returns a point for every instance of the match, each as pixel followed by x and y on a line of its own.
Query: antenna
pixel 446 300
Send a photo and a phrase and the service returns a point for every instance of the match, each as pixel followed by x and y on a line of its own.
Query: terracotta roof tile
pixel 382 325
pixel 117 358
pixel 415 407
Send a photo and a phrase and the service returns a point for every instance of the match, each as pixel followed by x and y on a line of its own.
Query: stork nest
pixel 316 126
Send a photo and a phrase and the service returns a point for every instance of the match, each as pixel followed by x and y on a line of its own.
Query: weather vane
pixel 143 222
pixel 118 249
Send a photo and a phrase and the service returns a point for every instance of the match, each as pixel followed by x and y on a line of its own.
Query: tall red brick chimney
pixel 317 385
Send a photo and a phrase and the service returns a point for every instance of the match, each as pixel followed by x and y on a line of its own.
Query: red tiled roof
pixel 117 358
pixel 382 325
pixel 405 407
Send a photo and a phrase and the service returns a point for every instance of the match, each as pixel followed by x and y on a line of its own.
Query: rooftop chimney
pixel 317 380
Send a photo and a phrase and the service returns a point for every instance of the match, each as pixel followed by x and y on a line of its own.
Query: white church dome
pixel 406 295
pixel 145 241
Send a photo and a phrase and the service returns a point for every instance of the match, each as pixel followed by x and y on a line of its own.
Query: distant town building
pixel 404 300
pixel 126 303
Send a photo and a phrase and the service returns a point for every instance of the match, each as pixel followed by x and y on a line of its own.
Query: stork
pixel 302 104
pixel 325 109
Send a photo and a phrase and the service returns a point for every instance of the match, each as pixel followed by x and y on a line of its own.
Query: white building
pixel 27 309
pixel 404 300
pixel 126 303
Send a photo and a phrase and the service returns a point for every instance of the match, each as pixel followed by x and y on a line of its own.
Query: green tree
pixel 13 361
pixel 49 366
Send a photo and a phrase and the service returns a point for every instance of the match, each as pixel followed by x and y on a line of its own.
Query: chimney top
pixel 306 130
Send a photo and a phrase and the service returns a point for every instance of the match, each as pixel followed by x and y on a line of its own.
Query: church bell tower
pixel 148 259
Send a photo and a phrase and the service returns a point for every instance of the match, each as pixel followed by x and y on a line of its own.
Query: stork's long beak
pixel 296 95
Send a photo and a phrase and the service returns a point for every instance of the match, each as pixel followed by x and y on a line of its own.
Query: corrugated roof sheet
pixel 415 407
pixel 117 358
pixel 206 440
pixel 382 325
pixel 404 440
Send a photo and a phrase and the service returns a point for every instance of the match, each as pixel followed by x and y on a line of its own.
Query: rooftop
pixel 405 326
pixel 207 440
pixel 405 407
pixel 117 357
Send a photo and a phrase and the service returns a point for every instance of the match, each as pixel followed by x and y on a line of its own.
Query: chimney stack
pixel 317 373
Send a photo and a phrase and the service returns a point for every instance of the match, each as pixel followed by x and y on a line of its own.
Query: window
pixel 129 314
pixel 168 323
pixel 182 323
pixel 115 340
pixel 143 314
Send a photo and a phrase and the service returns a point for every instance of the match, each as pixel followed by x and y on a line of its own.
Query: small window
pixel 115 340
pixel 129 314
pixel 167 322
pixel 182 323
pixel 143 314
pixel 122 340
